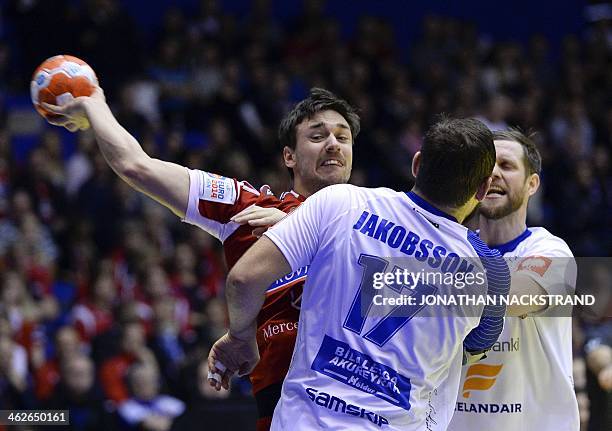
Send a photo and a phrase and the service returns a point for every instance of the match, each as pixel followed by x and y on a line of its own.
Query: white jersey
pixel 355 367
pixel 526 383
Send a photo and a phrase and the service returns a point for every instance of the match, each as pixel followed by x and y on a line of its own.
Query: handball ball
pixel 58 80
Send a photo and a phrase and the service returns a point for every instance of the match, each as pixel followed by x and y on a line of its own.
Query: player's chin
pixel 492 211
pixel 334 178
pixel 493 202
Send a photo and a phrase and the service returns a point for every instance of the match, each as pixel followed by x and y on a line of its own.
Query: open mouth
pixel 332 162
pixel 496 191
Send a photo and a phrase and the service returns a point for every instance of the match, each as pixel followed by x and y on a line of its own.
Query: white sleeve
pixel 298 235
pixel 551 264
pixel 214 199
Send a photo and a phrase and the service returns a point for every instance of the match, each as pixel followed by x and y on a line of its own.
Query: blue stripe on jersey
pixel 511 245
pixel 429 207
pixel 498 278
pixel 289 278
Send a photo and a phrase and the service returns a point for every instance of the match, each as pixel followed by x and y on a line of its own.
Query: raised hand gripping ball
pixel 58 80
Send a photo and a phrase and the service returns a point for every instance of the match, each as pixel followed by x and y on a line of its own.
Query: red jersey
pixel 91 321
pixel 213 201
pixel 113 373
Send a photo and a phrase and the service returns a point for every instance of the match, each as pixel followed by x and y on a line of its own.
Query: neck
pixel 307 188
pixel 503 230
pixel 300 188
pixel 459 213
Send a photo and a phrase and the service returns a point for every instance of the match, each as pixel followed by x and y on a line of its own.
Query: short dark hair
pixel 532 158
pixel 318 100
pixel 457 156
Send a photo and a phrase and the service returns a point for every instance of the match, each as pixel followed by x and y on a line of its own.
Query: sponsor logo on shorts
pixel 331 402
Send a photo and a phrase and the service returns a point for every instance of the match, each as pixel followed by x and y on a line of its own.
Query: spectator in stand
pixel 79 167
pixel 497 111
pixel 598 351
pixel 14 390
pixel 167 343
pixel 598 344
pixel 206 405
pixel 230 77
pixel 78 393
pixel 132 349
pixel 157 287
pixel 47 375
pixel 216 318
pixel 93 316
pixel 23 312
pixel 147 409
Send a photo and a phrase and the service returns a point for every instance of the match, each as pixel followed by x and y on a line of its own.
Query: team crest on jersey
pixel 216 188
pixel 537 264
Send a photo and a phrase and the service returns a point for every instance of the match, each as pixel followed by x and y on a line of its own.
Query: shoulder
pixel 541 241
pixel 347 196
pixel 335 195
pixel 339 190
pixel 361 193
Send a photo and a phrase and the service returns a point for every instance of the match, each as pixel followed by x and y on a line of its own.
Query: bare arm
pixel 257 269
pixel 167 183
pixel 236 351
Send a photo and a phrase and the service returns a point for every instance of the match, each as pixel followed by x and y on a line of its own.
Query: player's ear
pixel 416 161
pixel 289 157
pixel 481 193
pixel 533 184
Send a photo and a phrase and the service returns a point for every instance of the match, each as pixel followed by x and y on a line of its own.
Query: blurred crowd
pixel 109 303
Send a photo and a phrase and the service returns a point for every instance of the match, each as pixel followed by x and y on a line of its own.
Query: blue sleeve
pixel 491 323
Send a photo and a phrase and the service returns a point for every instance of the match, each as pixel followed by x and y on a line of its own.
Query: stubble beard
pixel 318 183
pixel 512 204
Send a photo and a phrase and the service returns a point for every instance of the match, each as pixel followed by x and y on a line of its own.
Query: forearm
pixel 120 149
pixel 247 282
pixel 243 305
pixel 165 182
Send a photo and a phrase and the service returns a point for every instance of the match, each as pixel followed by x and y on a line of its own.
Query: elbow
pixel 237 279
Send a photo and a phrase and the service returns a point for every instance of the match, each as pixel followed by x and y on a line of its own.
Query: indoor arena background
pixel 205 84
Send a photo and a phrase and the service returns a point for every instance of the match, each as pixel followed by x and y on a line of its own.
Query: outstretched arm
pixel 167 183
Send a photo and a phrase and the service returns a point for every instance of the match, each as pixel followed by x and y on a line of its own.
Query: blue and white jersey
pixel 526 382
pixel 360 366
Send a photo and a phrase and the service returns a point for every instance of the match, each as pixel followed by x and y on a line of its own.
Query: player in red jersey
pixel 316 137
